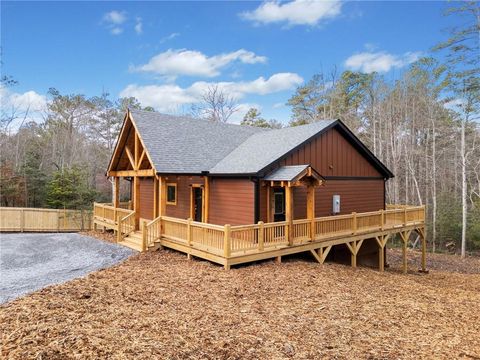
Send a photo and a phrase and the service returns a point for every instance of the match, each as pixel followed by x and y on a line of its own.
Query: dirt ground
pixel 160 305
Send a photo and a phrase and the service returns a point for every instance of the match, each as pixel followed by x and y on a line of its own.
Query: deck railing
pixel 109 214
pixel 230 241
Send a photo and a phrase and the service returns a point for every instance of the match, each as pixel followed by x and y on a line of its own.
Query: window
pixel 171 194
pixel 279 203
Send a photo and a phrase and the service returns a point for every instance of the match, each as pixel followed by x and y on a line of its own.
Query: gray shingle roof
pixel 179 144
pixel 285 173
pixel 261 149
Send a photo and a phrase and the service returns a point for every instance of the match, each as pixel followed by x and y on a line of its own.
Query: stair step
pixel 131 244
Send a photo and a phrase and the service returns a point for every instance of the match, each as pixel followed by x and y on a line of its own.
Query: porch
pixel 231 245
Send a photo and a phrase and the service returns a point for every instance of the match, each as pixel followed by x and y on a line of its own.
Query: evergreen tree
pixel 69 189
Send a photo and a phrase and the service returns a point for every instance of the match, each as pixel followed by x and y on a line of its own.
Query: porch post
pixel 206 200
pixel 289 212
pixel 136 200
pixel 162 210
pixel 311 209
pixel 116 197
pixel 155 197
pixel 136 182
pixel 116 192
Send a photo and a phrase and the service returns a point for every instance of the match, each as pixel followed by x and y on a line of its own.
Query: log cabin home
pixel 233 194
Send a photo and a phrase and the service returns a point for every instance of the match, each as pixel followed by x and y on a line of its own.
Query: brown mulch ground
pixel 160 305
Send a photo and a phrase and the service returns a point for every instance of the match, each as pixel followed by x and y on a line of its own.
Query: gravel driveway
pixel 29 262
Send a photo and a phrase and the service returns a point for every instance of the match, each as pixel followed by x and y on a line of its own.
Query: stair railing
pixel 126 225
pixel 152 231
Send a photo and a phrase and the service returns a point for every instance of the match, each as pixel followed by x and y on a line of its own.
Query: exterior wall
pixel 355 196
pixel 182 208
pixel 232 201
pixel 332 155
pixel 146 198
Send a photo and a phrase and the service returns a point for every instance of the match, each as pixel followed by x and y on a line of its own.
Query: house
pixel 188 172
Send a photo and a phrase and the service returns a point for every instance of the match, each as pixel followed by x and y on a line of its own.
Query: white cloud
pixel 297 12
pixel 170 97
pixel 116 31
pixel 138 26
pixel 29 105
pixel 115 17
pixel 169 37
pixel 113 20
pixel 172 63
pixel 379 61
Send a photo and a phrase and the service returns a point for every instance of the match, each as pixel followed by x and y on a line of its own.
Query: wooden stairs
pixel 134 241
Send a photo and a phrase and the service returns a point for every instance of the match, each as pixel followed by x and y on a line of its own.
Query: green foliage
pixel 70 189
pixel 253 118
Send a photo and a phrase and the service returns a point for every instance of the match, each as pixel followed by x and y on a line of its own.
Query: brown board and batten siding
pixel 347 171
pixel 331 154
pixel 232 201
pixel 355 196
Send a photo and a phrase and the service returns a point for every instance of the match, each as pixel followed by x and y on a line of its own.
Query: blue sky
pixel 167 53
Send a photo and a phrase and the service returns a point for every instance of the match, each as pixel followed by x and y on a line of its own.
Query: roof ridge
pixel 191 118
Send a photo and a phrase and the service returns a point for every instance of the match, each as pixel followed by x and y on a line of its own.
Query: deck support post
pixel 323 252
pixel 405 235
pixel 381 241
pixel 278 259
pixel 354 247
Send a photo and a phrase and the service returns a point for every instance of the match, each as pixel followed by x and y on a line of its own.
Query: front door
pixel 278 204
pixel 197 203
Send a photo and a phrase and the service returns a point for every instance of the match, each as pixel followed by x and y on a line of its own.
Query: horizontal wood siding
pixel 331 154
pixel 146 198
pixel 232 201
pixel 182 209
pixel 355 196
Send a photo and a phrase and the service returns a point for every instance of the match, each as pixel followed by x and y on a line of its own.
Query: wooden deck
pixel 230 245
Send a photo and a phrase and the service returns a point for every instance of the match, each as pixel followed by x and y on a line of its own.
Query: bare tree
pixel 216 105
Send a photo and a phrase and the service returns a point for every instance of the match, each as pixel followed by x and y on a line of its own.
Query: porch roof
pixel 292 173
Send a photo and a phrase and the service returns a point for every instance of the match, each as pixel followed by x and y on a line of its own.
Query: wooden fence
pixel 46 220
